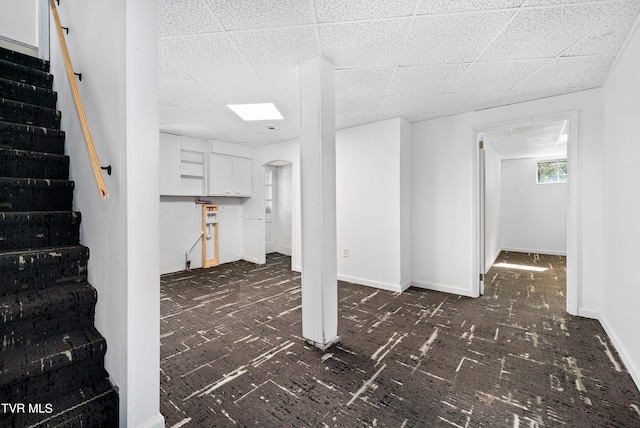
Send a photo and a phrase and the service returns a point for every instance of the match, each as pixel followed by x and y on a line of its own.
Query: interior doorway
pixel 278 207
pixel 526 192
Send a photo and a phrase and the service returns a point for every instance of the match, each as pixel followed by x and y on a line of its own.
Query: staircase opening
pixel 52 356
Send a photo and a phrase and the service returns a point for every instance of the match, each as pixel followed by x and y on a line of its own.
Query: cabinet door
pixel 221 175
pixel 242 177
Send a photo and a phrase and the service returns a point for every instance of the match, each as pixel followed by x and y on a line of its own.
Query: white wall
pixel 368 203
pixel 620 293
pixel 19 21
pixel 119 90
pixel 444 193
pixel 283 200
pixel 181 222
pixel 534 216
pixel 373 207
pixel 492 204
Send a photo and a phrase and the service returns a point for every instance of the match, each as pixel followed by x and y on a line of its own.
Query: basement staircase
pixel 51 356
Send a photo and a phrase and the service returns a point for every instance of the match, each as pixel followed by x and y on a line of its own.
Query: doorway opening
pixel 278 203
pixel 527 193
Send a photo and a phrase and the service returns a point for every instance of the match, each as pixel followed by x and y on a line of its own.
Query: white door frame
pixel 573 253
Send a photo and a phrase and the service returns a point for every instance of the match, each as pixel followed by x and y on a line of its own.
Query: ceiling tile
pixel 410 117
pixel 453 103
pixel 170 114
pixel 539 139
pixel 180 17
pixel 283 87
pixel 586 71
pixel 501 76
pixel 372 44
pixel 351 111
pixel 553 2
pixel 247 138
pixel 281 127
pixel 520 96
pixel 349 10
pixel 185 92
pixel 278 50
pixel 428 7
pixel 362 83
pixel 428 79
pixel 251 14
pixel 214 115
pixel 547 32
pixel 204 56
pixel 236 90
pixel 168 72
pixel 452 38
pixel 608 38
pixel 410 105
pixel 365 105
pixel 193 130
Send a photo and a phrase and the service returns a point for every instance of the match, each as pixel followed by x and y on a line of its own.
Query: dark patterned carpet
pixel 232 355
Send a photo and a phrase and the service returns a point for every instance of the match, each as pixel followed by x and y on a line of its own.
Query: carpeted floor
pixel 232 354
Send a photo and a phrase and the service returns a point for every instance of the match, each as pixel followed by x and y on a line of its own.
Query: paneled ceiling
pixel 419 59
pixel 540 139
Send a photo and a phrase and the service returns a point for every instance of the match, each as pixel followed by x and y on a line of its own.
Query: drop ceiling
pixel 418 59
pixel 547 139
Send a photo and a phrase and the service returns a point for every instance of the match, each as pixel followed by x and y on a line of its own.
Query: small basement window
pixel 552 171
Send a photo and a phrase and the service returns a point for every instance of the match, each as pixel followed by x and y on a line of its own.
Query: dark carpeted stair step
pixel 25 74
pixel 29 114
pixel 21 163
pixel 27 194
pixel 44 388
pixel 48 355
pixel 33 315
pixel 31 138
pixel 24 59
pixel 42 268
pixel 38 229
pixel 94 405
pixel 25 93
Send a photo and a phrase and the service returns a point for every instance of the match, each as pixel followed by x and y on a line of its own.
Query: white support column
pixel 318 178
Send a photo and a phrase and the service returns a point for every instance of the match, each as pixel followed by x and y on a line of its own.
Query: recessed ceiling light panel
pixel 262 111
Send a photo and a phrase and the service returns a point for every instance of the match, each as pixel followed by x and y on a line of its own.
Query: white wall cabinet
pixel 182 166
pixel 229 176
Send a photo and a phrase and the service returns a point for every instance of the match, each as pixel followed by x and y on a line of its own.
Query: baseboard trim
pixel 376 284
pixel 296 269
pixel 532 251
pixel 251 259
pixel 154 422
pixel 283 250
pixel 443 288
pixel 405 285
pixel 588 313
pixel 629 364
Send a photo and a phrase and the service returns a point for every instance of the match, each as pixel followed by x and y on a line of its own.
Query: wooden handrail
pixel 93 156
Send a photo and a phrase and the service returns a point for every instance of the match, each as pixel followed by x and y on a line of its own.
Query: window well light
pixel 262 111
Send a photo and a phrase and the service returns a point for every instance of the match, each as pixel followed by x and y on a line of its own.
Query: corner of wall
pixel 443 288
pixel 627 358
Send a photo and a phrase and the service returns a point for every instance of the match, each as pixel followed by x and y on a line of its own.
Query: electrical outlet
pixel 345 252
